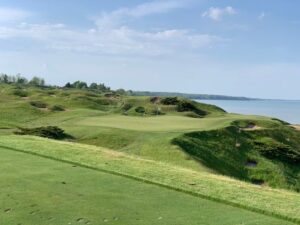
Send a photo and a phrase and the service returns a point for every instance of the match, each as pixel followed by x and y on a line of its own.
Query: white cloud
pixel 12 15
pixel 110 35
pixel 120 16
pixel 122 40
pixel 217 14
pixel 262 16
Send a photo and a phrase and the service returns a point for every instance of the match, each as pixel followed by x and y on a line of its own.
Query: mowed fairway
pixel 37 190
pixel 162 123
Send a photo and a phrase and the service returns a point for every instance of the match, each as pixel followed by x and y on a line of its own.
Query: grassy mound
pixel 59 99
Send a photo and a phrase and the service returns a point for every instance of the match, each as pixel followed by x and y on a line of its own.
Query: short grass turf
pixel 162 123
pixel 43 191
pixel 279 203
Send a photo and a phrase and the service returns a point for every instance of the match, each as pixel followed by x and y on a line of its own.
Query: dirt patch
pixel 83 221
pixel 297 126
pixel 255 127
pixel 7 210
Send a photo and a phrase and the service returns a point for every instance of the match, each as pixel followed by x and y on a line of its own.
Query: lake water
pixel 285 110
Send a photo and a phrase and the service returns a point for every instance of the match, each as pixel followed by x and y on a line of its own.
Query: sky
pixel 230 47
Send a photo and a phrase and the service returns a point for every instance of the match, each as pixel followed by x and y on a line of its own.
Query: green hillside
pixel 177 145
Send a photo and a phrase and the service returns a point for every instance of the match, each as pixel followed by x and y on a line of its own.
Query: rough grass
pixel 274 202
pixel 227 151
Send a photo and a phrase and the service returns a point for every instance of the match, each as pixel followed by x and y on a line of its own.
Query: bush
pixel 273 149
pixel 20 93
pixel 140 109
pixel 154 100
pixel 170 101
pixel 57 108
pixel 38 104
pixel 127 106
pixel 51 132
pixel 185 106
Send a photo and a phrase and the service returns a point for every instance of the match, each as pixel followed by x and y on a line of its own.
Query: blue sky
pixel 231 47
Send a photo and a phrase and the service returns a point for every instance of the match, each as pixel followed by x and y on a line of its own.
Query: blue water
pixel 285 110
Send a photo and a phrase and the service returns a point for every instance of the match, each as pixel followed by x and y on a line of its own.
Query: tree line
pixel 20 80
pixel 40 82
pixel 83 85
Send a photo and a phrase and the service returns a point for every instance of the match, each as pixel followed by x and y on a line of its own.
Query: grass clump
pixel 57 108
pixel 127 107
pixel 51 132
pixel 20 93
pixel 273 149
pixel 140 110
pixel 186 106
pixel 183 105
pixel 38 104
pixel 170 101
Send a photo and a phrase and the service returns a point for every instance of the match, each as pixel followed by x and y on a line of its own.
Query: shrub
pixel 140 109
pixel 20 93
pixel 155 100
pixel 51 132
pixel 185 106
pixel 57 108
pixel 127 106
pixel 38 104
pixel 281 121
pixel 273 149
pixel 170 101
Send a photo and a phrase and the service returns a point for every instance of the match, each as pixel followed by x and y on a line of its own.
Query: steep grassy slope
pixel 268 156
pixel 66 184
pixel 17 98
